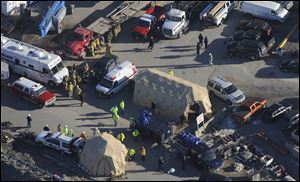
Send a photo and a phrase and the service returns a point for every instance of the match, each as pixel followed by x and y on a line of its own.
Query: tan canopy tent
pixel 104 154
pixel 171 95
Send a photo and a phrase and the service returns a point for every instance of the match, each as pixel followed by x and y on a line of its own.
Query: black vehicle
pixel 252 49
pixel 290 120
pixel 256 24
pixel 103 66
pixel 253 34
pixel 275 111
pixel 291 65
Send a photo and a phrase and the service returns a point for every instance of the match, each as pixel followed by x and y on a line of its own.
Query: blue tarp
pixel 144 118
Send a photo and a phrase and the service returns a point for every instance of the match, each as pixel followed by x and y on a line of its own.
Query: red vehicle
pixel 79 39
pixel 33 92
pixel 149 22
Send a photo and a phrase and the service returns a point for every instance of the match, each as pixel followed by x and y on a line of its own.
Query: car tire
pixel 229 102
pixel 51 84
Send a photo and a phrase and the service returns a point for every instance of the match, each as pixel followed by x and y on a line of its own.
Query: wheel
pixel 229 102
pixel 41 105
pixel 51 84
pixel 212 94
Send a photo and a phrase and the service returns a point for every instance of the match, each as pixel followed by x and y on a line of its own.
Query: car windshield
pixel 174 18
pixel 106 83
pixel 210 156
pixel 143 23
pixel 40 91
pixel 230 89
pixel 57 68
pixel 279 10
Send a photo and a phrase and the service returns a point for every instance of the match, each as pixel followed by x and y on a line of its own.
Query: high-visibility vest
pixel 122 104
pixel 71 133
pixel 121 137
pixel 116 117
pixel 65 130
pixel 131 152
pixel 135 133
pixel 170 72
pixel 114 110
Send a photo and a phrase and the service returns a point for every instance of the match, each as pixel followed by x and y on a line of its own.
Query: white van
pixel 265 9
pixel 116 79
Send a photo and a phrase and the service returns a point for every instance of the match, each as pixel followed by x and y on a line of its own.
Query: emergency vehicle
pixel 116 79
pixel 33 62
pixel 33 92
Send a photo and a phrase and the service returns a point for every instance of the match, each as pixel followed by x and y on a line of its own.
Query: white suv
pixel 60 142
pixel 218 86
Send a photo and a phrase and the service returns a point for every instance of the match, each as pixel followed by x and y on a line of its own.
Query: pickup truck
pixel 149 23
pixel 248 108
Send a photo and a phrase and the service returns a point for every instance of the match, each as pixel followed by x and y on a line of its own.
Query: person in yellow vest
pixel 71 133
pixel 116 118
pixel 170 72
pixel 121 137
pixel 66 130
pixel 131 154
pixel 143 153
pixel 59 128
pixel 71 86
pixel 114 110
pixel 135 134
pixel 78 90
pixel 122 106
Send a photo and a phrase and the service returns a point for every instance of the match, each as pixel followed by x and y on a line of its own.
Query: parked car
pixel 59 141
pixel 253 34
pixel 291 65
pixel 104 65
pixel 252 49
pixel 248 108
pixel 33 92
pixel 275 111
pixel 290 120
pixel 218 86
pixel 256 24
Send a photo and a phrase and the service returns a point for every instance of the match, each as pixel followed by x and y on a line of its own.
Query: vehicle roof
pixel 117 71
pixel 26 50
pixel 251 100
pixel 265 4
pixel 175 12
pixel 221 81
pixel 62 136
pixel 29 84
pixel 147 17
pixel 251 43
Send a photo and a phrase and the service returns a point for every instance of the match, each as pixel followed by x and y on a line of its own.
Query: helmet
pixel 83 132
pixel 46 125
pixel 66 126
pixel 29 115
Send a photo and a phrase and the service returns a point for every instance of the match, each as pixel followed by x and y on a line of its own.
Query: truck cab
pixel 144 25
pixel 175 24
pixel 79 39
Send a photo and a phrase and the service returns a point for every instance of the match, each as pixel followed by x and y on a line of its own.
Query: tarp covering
pixel 103 154
pixel 171 95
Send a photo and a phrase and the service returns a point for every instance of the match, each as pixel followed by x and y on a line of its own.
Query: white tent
pixel 171 95
pixel 104 154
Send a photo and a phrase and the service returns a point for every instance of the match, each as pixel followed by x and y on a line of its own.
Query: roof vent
pixel 20 48
pixel 3 40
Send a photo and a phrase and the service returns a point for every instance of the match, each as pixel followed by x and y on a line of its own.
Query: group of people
pixel 114 110
pixel 200 42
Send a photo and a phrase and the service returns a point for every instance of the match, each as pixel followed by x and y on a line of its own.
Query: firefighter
pixel 143 153
pixel 73 79
pixel 78 80
pixel 135 134
pixel 78 90
pixel 92 50
pixel 171 72
pixel 71 133
pixel 131 154
pixel 71 86
pixel 121 137
pixel 59 128
pixel 108 49
pixel 122 106
pixel 114 110
pixel 86 67
pixel 116 118
pixel 97 42
pixel 116 30
pixel 66 130
pixel 65 83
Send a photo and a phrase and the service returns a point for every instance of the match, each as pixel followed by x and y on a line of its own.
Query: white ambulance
pixel 33 62
pixel 116 79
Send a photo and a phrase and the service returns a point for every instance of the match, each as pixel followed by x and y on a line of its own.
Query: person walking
pixel 205 42
pixel 131 123
pixel 66 130
pixel 71 86
pixel 200 38
pixel 59 128
pixel 96 131
pixel 122 106
pixel 46 128
pixel 116 118
pixel 121 137
pixel 81 97
pixel 135 134
pixel 198 48
pixel 65 83
pixel 78 91
pixel 114 110
pixel 151 43
pixel 29 119
pixel 161 163
pixel 143 153
pixel 83 136
pixel 211 59
pixel 71 133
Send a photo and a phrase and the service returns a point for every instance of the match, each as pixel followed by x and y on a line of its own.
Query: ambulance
pixel 116 79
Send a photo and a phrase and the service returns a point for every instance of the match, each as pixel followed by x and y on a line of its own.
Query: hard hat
pixel 210 53
pixel 66 126
pixel 83 132
pixel 46 125
pixel 29 115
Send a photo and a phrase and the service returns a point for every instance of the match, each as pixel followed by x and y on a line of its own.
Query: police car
pixel 33 92
pixel 116 79
pixel 59 141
